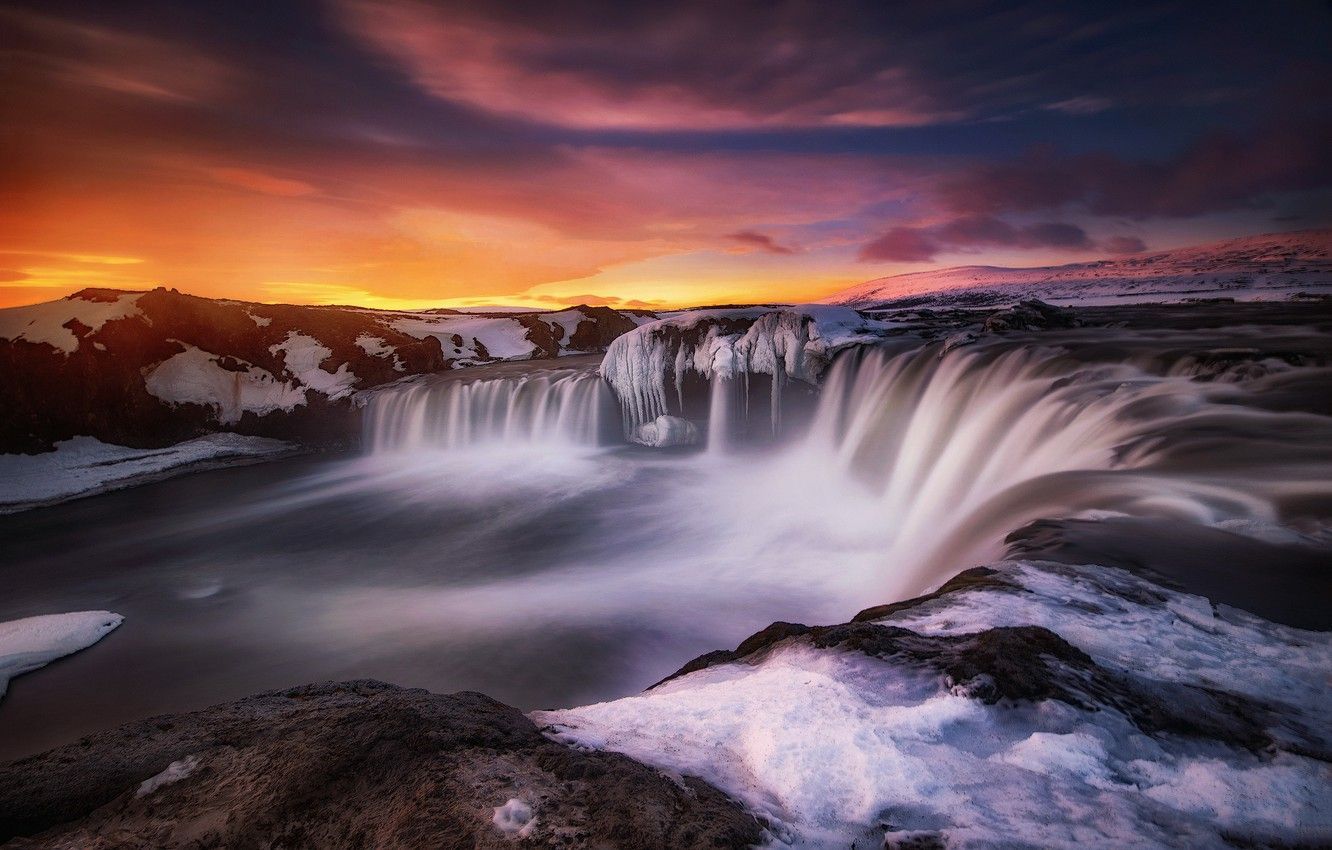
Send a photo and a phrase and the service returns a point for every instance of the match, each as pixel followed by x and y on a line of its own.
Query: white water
pixel 493 537
pixel 928 458
pixel 557 408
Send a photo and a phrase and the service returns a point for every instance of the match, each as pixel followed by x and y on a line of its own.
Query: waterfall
pixel 957 449
pixel 560 408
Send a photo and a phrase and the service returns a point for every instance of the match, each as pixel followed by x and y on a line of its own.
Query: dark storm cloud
pixel 800 63
pixel 920 244
pixel 1220 171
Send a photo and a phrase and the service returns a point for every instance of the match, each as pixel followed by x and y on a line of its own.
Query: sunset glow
pixel 393 153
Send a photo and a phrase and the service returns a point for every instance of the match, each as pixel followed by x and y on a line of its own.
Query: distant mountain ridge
pixel 1272 265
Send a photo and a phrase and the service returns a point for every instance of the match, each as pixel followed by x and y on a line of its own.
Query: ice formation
pixel 666 431
pixel 796 343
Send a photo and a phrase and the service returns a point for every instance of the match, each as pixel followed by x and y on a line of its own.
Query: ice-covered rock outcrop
pixel 645 365
pixel 1023 705
pixel 665 431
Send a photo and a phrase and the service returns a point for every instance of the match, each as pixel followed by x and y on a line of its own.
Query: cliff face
pixel 148 369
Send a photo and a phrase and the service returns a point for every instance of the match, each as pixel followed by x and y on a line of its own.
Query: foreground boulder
pixel 354 764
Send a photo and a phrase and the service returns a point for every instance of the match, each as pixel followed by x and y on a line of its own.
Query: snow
pixel 503 338
pixel 261 321
pixel 1249 268
pixel 45 323
pixel 1180 640
pixel 378 347
pixel 34 642
pixel 84 465
pixel 834 746
pixel 303 354
pixel 515 819
pixel 194 376
pixel 173 773
pixel 797 342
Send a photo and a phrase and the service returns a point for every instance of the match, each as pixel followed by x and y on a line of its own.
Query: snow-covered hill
pixel 148 369
pixel 1253 267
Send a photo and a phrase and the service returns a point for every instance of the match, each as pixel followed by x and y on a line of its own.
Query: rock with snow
pixel 1030 315
pixel 1031 705
pixel 149 369
pixel 84 465
pixel 666 431
pixel 33 642
pixel 647 366
pixel 357 762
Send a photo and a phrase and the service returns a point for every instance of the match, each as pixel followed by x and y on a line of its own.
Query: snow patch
pixel 503 338
pixel 85 465
pixel 194 376
pixel 378 347
pixel 515 819
pixel 303 354
pixel 45 323
pixel 173 773
pixel 34 642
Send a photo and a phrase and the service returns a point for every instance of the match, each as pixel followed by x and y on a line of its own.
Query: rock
pixel 362 764
pixel 1030 315
pixel 130 371
pixel 665 431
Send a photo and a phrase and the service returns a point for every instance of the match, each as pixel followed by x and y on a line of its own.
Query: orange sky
pixel 395 153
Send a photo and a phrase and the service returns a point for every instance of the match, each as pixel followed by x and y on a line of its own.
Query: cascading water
pixel 951 450
pixel 960 448
pixel 568 408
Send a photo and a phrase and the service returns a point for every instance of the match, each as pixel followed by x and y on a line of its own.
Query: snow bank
pixel 195 376
pixel 34 642
pixel 796 343
pixel 46 323
pixel 835 746
pixel 85 465
pixel 302 355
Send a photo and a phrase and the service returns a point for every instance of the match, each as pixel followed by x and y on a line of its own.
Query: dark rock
pixel 361 764
pixel 1029 664
pixel 1030 315
pixel 976 578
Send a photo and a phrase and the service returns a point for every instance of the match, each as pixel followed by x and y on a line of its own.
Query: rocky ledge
pixel 354 764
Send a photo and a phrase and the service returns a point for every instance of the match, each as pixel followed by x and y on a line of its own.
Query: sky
pixel 405 154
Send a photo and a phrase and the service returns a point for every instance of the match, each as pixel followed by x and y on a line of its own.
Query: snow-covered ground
pixel 84 465
pixel 1273 266
pixel 1188 725
pixel 35 642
